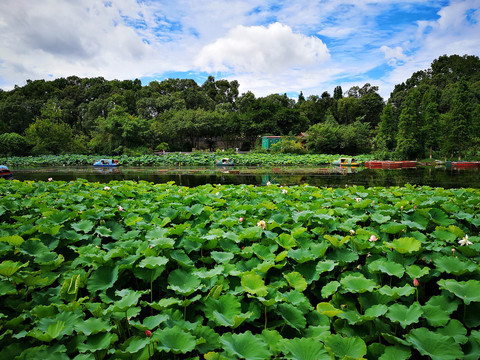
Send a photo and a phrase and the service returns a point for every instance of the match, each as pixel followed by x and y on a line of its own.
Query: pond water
pixel 322 177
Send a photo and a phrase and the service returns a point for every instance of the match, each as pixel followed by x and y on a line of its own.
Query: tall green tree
pixel 431 123
pixel 410 122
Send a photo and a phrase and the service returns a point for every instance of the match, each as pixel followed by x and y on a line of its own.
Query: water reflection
pixel 322 177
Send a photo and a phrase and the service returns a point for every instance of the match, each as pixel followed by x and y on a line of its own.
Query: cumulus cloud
pixel 393 55
pixel 261 49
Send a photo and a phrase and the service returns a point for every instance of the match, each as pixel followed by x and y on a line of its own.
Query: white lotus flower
pixel 465 241
pixel 262 224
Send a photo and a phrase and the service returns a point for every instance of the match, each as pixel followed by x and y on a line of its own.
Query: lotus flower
pixel 269 183
pixel 262 224
pixel 465 241
pixel 352 232
pixel 284 191
pixel 415 282
pixel 50 179
pixel 148 333
pixel 358 199
pixel 120 208
pixel 106 188
pixel 241 219
pixel 373 238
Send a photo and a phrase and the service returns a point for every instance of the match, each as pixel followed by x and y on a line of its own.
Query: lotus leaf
pixel 396 353
pixel 379 218
pixel 328 309
pixel 358 283
pixel 69 288
pixel 416 272
pixel 103 278
pixel 224 310
pixel 14 240
pixel 9 267
pixel 287 241
pixel 137 344
pixel 183 282
pixel 245 346
pixel 153 262
pixel 346 347
pixel 389 267
pixel 53 352
pixel 468 291
pixel 455 330
pixel 304 349
pixel 406 245
pixel 296 280
pixel 454 265
pixel 330 289
pixel 174 340
pixel 375 311
pixel 435 345
pixel 92 326
pixel 97 342
pixel 292 316
pixel 393 228
pixel 435 315
pixel 254 284
pixel 404 315
pixel 336 241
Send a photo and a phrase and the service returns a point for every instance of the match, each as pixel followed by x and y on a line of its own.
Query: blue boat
pixel 5 173
pixel 106 163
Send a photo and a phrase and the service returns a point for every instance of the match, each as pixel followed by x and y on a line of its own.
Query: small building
pixel 268 141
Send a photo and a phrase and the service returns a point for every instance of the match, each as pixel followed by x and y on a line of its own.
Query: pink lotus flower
pixel 120 208
pixel 148 333
pixel 50 179
pixel 241 219
pixel 415 282
pixel 373 238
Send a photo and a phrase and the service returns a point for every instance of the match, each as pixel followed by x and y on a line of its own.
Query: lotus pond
pixel 129 270
pixel 285 175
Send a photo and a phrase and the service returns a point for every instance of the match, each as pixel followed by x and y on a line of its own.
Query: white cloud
pixel 260 49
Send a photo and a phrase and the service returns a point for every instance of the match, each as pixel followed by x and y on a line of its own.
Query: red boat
pixel 5 173
pixel 462 164
pixel 380 164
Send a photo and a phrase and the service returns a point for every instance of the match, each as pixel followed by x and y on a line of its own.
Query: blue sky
pixel 267 46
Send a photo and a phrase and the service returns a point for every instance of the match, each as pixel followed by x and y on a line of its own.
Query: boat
pixel 225 162
pixel 387 164
pixel 106 162
pixel 346 162
pixel 5 173
pixel 462 164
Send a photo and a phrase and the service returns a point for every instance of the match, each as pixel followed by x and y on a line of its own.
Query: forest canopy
pixel 433 113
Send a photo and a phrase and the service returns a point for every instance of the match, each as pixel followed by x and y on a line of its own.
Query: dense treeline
pixel 436 111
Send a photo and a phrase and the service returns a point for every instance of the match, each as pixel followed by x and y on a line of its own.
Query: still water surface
pixel 329 177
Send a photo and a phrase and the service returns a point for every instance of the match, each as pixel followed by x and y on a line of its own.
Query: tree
pixel 13 144
pixel 431 123
pixel 387 129
pixel 48 134
pixel 409 124
pixel 337 93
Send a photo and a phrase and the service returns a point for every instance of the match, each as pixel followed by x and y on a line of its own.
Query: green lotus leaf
pixel 445 301
pixel 48 229
pixel 223 310
pixel 174 340
pixel 214 356
pixel 287 241
pixel 336 241
pixel 346 347
pixel 296 280
pixel 137 344
pixel 387 266
pixel 251 233
pixel 53 331
pixel 393 228
pixel 379 218
pixel 358 284
pixel 196 209
pixel 14 240
pixel 9 267
pixel 304 349
pixel 406 245
pixel 164 303
pixel 84 226
pixel 97 342
pixel 328 309
pixel 416 272
pixel 153 262
pixel 352 316
pixel 404 315
pixel 92 326
pixel 254 284
pixel 455 330
pixel 397 292
pixel 183 282
pixel 207 338
pixel 181 258
pixel 441 234
pixel 128 299
pixel 468 291
pixel 69 318
pixel 326 265
pixel 435 345
pixel 375 311
pixel 344 256
pixel 396 353
pixel 52 352
pixel 7 288
pixel 221 257
pixel 454 265
pixel 132 220
pixel 439 217
pixel 292 316
pixel 273 340
pixel 330 289
pixel 103 278
pixel 103 231
pixel 245 346
pixel 435 315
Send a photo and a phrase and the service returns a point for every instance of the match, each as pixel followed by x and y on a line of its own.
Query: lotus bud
pixel 373 238
pixel 453 251
pixel 241 219
pixel 415 282
pixel 352 232
pixel 148 333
